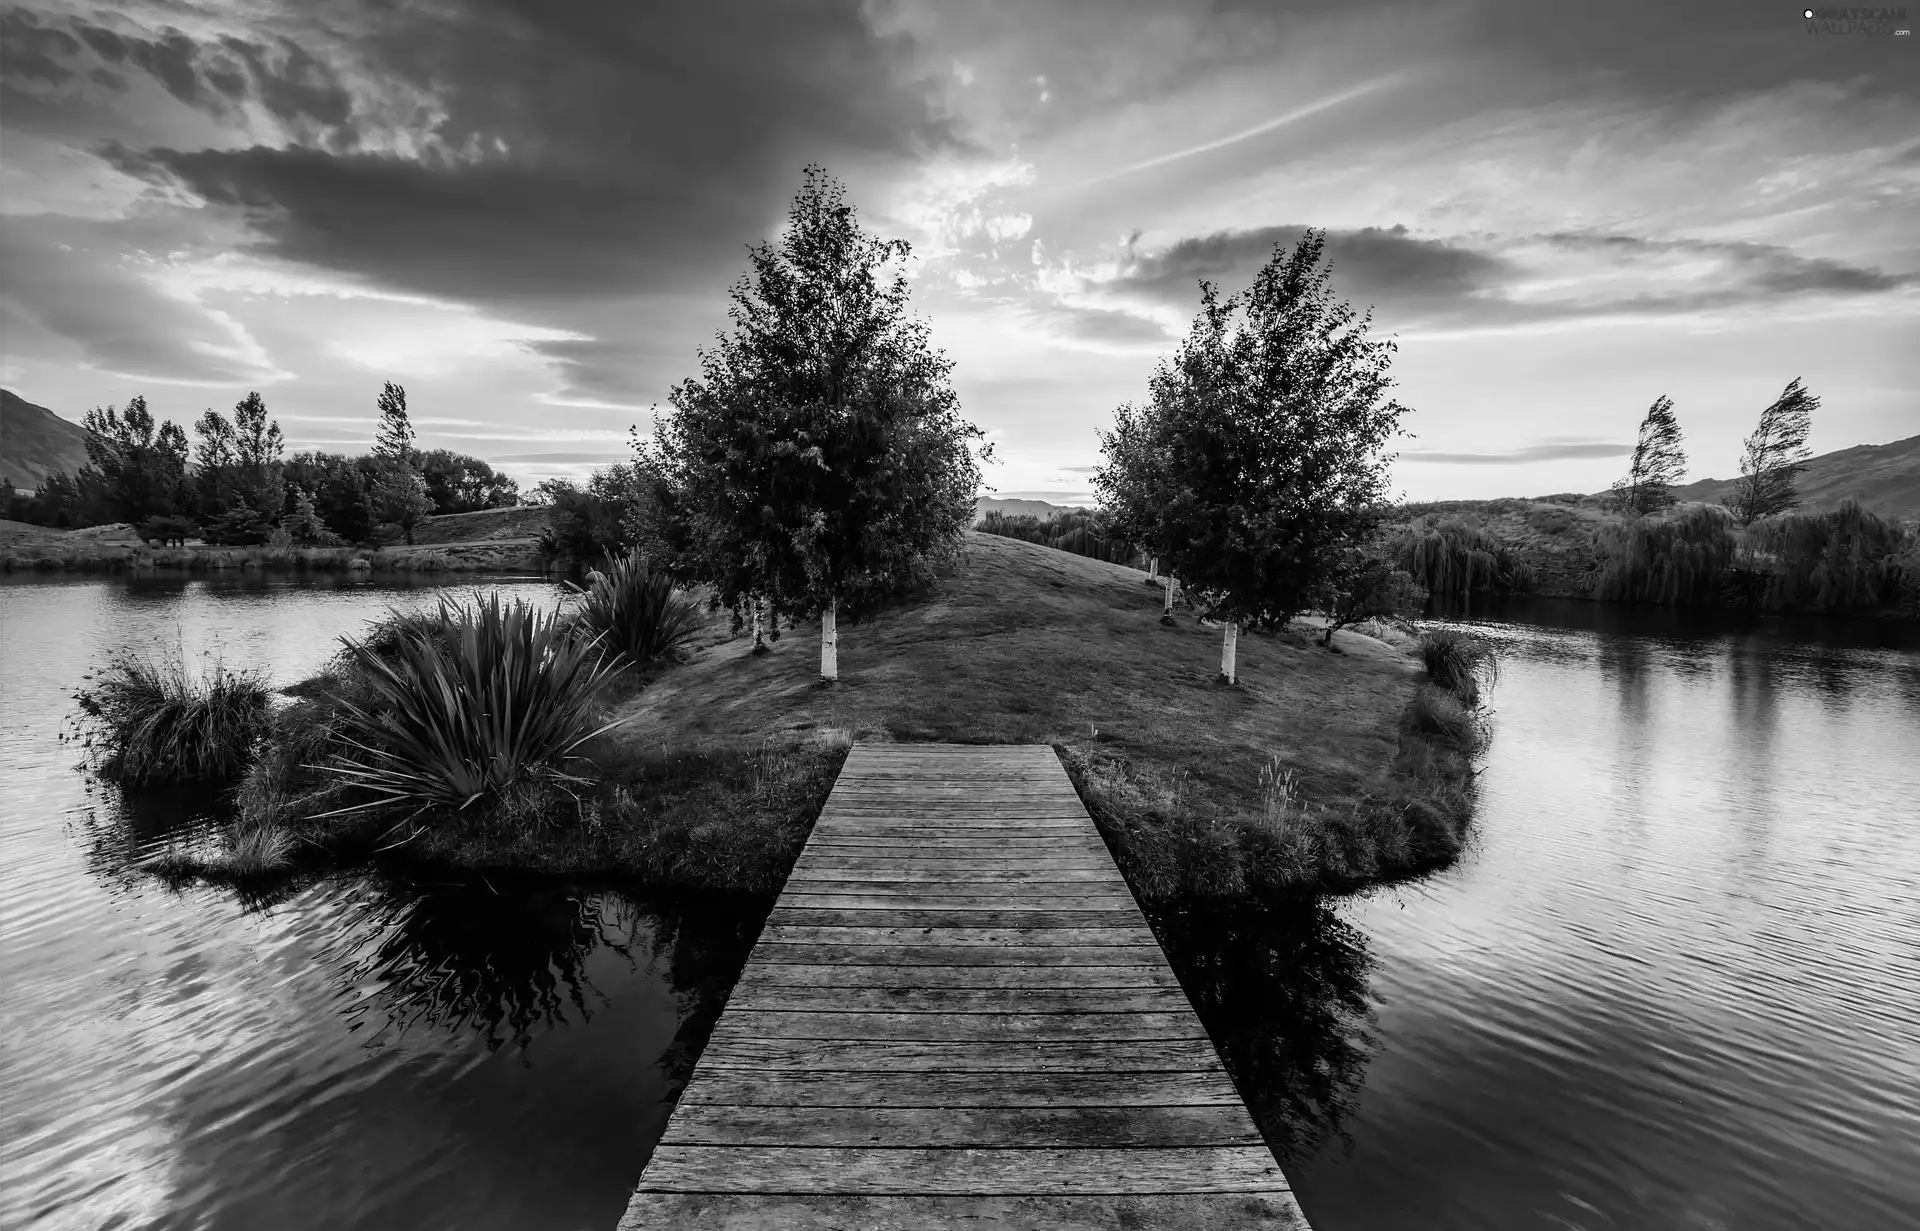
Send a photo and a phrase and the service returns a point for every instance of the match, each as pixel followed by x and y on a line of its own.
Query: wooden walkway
pixel 957 1017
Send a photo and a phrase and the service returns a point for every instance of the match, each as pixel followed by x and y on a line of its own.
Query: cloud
pixel 1518 457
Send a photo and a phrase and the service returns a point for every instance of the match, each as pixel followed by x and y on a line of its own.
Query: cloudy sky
pixel 528 211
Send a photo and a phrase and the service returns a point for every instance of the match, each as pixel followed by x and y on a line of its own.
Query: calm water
pixel 1673 983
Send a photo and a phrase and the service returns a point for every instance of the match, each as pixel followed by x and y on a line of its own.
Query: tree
pixel 820 455
pixel 138 465
pixel 239 465
pixel 339 487
pixel 1775 455
pixel 1658 462
pixel 1260 452
pixel 303 526
pixel 398 495
pixel 457 483
pixel 1362 585
pixel 394 437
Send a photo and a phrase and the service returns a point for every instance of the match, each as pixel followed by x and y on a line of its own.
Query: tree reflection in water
pixel 510 957
pixel 1283 991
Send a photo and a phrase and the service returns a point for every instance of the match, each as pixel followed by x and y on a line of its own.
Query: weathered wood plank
pixel 841 974
pixel 1080 895
pixel 1133 999
pixel 989 854
pixel 960 843
pixel 963 1127
pixel 785 1169
pixel 771 1024
pixel 958 955
pixel 896 937
pixel 918 1088
pixel 790 915
pixel 974 1056
pixel 909 870
pixel 978 1212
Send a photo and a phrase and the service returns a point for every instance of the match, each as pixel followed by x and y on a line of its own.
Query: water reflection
pixel 1283 992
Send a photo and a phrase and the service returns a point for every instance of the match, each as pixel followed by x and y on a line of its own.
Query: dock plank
pixel 957 1016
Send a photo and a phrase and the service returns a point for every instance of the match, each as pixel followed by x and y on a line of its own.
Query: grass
pixel 153 720
pixel 1459 662
pixel 1314 773
pixel 54 556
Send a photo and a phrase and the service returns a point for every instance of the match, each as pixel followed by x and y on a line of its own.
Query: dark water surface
pixel 1673 984
pixel 364 1053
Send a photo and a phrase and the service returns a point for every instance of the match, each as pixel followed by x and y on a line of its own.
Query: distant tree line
pixel 234 484
pixel 1084 533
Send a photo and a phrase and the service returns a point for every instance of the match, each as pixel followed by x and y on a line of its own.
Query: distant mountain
pixel 34 442
pixel 1018 508
pixel 1883 478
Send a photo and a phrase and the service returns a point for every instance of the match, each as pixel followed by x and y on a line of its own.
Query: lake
pixel 1671 983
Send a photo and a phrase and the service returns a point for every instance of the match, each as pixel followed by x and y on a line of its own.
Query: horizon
pixel 1558 217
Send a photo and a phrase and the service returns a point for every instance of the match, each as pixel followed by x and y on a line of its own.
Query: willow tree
pixel 1260 453
pixel 1658 462
pixel 1774 455
pixel 820 457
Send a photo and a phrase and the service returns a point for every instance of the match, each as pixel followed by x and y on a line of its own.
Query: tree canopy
pixel 1260 452
pixel 1774 455
pixel 820 456
pixel 1659 463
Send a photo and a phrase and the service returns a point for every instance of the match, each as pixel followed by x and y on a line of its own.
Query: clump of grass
pixel 154 720
pixel 1459 662
pixel 635 612
pixel 1441 714
pixel 490 697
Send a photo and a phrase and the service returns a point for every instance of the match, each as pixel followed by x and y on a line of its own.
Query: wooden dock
pixel 956 1016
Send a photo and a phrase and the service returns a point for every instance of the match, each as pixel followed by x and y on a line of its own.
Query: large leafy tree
pixel 239 466
pixel 820 455
pixel 1260 452
pixel 1658 462
pixel 1774 456
pixel 457 483
pixel 136 464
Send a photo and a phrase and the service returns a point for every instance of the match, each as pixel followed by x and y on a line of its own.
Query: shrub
pixel 1677 559
pixel 494 697
pixel 1442 714
pixel 155 721
pixel 635 613
pixel 1459 662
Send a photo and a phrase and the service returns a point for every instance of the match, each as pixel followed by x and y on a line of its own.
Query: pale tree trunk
pixel 1153 568
pixel 1229 646
pixel 1166 612
pixel 759 643
pixel 829 644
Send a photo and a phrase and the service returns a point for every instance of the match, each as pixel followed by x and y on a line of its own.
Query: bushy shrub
pixel 493 697
pixel 1680 558
pixel 153 720
pixel 1441 714
pixel 635 613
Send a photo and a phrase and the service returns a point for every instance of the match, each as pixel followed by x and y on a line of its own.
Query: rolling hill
pixel 34 442
pixel 1017 508
pixel 1883 478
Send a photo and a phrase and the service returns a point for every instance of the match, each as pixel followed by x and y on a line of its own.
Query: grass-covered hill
pixel 35 442
pixel 1883 478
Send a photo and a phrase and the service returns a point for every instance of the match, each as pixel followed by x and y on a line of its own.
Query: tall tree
pixel 394 436
pixel 398 495
pixel 137 464
pixel 1261 450
pixel 820 454
pixel 239 465
pixel 1774 456
pixel 1658 462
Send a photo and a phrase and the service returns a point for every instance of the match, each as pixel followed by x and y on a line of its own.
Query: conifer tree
pixel 394 437
pixel 1658 462
pixel 1774 456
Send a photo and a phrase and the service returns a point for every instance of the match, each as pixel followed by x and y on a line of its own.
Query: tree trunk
pixel 1166 612
pixel 1229 646
pixel 759 643
pixel 408 529
pixel 829 645
pixel 1153 568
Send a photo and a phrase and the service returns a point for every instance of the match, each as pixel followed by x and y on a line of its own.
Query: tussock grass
pixel 151 719
pixel 636 614
pixel 1460 662
pixel 493 698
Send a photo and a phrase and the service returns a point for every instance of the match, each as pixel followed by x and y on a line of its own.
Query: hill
pixel 34 442
pixel 1018 508
pixel 1883 478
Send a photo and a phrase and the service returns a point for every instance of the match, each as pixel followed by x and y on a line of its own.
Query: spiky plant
pixel 153 720
pixel 495 696
pixel 1459 662
pixel 635 613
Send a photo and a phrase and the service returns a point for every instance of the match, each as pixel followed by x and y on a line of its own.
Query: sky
pixel 529 212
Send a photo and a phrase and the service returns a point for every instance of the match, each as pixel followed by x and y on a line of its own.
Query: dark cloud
pixel 1099 324
pixel 1756 269
pixel 34 51
pixel 1516 457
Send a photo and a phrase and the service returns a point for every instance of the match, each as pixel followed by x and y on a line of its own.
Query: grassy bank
pixel 1321 771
